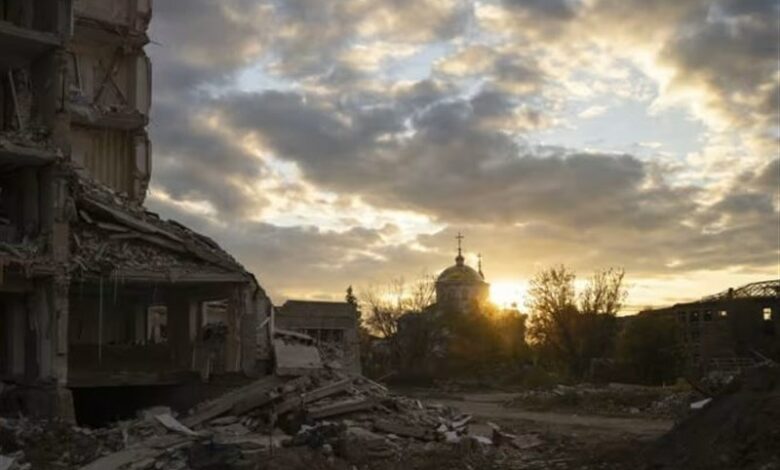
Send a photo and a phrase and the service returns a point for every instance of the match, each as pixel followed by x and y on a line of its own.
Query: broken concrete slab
pixel 295 358
pixel 228 401
pixel 173 424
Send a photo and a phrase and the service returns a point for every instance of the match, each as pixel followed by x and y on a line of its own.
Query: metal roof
pixel 763 289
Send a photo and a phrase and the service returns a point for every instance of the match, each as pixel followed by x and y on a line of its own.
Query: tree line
pixel 561 333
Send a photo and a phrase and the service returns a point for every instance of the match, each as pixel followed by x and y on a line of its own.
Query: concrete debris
pixel 295 355
pixel 612 400
pixel 244 425
pixel 112 232
pixel 6 462
pixel 172 424
pixel 700 404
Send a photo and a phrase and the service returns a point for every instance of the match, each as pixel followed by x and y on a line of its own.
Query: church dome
pixel 460 273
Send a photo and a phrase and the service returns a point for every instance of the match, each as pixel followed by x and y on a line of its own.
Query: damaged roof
pixel 109 233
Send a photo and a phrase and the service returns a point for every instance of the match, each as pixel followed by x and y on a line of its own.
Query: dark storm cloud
pixel 452 166
pixel 550 9
pixel 735 54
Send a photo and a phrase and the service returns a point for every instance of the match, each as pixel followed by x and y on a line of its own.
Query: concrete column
pixel 179 328
pixel 31 219
pixel 235 308
pixel 18 320
pixel 249 322
pixel 41 318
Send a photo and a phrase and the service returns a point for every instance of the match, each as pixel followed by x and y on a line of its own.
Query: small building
pixel 332 325
pixel 731 329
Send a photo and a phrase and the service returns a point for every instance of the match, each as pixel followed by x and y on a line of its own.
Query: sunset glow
pixel 508 293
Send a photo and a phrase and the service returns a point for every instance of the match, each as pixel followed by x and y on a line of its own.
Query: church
pixel 461 288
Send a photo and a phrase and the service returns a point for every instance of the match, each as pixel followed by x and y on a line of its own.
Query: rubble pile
pixel 339 416
pixel 613 399
pixel 735 430
pixel 33 444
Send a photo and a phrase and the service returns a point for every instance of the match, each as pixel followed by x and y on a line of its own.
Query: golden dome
pixel 460 273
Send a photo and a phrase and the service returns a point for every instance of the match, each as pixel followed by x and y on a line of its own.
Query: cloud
pixel 593 111
pixel 434 110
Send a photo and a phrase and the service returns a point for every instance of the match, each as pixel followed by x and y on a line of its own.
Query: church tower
pixel 460 288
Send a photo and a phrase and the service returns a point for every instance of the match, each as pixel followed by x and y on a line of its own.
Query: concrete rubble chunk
pixel 294 358
pixel 173 424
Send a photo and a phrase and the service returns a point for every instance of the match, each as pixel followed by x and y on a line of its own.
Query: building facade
pixel 729 330
pixel 95 291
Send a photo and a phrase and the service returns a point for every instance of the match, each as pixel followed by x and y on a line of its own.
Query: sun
pixel 506 293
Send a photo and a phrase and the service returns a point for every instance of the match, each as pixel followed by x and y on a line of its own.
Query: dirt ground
pixel 567 440
pixel 489 406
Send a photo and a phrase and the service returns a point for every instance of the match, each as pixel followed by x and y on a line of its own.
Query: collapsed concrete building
pixel 730 330
pixel 96 291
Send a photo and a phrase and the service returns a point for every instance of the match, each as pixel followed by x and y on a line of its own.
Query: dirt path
pixel 489 407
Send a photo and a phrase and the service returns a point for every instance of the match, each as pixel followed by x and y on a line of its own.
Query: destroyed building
pixel 332 325
pixel 730 330
pixel 96 292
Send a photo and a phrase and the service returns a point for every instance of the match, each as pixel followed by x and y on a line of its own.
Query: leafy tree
pixel 552 305
pixel 650 347
pixel 569 330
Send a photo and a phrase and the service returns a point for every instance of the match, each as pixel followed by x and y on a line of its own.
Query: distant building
pixel 731 329
pixel 461 288
pixel 333 325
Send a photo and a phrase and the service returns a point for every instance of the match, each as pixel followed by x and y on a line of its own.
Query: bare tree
pixel 605 293
pixel 386 304
pixel 422 293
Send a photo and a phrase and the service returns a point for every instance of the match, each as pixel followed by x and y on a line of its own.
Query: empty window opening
pixel 157 324
pixel 767 312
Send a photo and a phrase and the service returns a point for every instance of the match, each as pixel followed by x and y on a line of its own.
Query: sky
pixel 327 144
